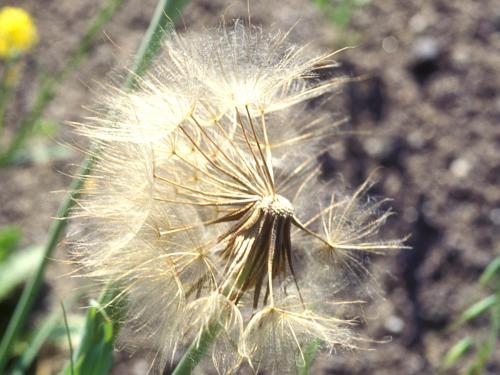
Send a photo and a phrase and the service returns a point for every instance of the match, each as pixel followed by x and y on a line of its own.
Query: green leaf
pixel 477 309
pixel 45 128
pixel 42 333
pixel 491 271
pixel 17 268
pixel 457 351
pixel 479 363
pixel 59 336
pixel 41 152
pixel 9 238
pixel 197 350
pixel 41 101
pixel 309 354
pixel 68 335
pixel 340 12
pixel 102 323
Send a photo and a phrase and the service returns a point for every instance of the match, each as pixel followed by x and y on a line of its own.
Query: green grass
pixel 480 349
pixel 166 11
pixel 339 12
pixel 102 326
pixel 51 83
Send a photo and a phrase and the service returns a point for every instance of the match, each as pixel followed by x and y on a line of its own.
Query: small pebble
pixel 378 147
pixel 425 48
pixel 460 167
pixel 495 216
pixel 390 44
pixel 394 324
pixel 416 139
pixel 418 22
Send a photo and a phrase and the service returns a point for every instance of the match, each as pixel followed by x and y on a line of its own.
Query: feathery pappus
pixel 207 206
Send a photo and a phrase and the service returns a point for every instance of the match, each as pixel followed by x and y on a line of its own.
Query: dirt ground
pixel 431 104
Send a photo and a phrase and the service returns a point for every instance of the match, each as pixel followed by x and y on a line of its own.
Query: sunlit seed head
pixel 247 67
pixel 276 330
pixel 203 205
pixel 277 205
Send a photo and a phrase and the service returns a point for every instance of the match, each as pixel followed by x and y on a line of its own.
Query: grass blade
pixel 166 11
pixel 477 309
pixel 68 334
pixel 43 332
pixel 490 272
pixel 102 323
pixel 196 351
pixel 31 290
pixel 10 235
pixel 309 355
pixel 165 14
pixel 457 351
pixel 484 353
pixel 17 268
pixel 33 286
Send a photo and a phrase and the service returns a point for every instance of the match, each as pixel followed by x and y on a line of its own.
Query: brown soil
pixel 431 103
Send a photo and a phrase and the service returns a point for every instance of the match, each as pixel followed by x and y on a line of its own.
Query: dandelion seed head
pixel 277 205
pixel 206 205
pixel 274 331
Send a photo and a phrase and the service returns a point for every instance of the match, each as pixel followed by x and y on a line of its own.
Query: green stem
pixel 68 335
pixel 44 330
pixel 162 22
pixel 44 96
pixel 42 334
pixel 102 324
pixel 196 351
pixel 31 289
pixel 33 286
pixel 165 13
pixel 50 85
pixel 5 91
pixel 309 354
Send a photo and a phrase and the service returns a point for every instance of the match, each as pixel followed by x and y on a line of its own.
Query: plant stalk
pixel 32 288
pixel 5 90
pixel 196 351
pixel 149 47
pixel 161 23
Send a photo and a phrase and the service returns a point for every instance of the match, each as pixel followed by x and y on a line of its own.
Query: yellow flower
pixel 17 32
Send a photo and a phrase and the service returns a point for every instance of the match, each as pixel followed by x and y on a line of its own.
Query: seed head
pixel 205 201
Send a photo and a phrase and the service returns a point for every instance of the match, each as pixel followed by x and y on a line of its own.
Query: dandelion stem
pixel 308 357
pixel 33 286
pixel 72 364
pixel 31 290
pixel 162 22
pixel 196 351
pixel 44 330
pixel 5 90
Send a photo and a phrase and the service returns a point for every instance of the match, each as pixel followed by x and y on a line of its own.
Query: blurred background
pixel 429 101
